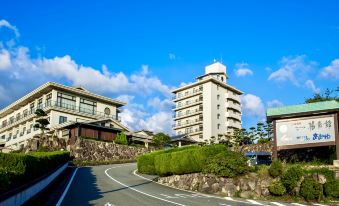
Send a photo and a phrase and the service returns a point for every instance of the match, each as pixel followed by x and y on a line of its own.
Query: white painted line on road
pixel 298 204
pixel 224 204
pixel 67 188
pixel 231 199
pixel 318 204
pixel 149 195
pixel 254 202
pixel 277 203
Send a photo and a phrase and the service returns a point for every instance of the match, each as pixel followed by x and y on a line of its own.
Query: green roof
pixel 301 108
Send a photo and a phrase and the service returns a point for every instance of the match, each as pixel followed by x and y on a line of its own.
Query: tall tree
pixel 42 121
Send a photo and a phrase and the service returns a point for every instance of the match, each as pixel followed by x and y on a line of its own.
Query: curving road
pixel 120 185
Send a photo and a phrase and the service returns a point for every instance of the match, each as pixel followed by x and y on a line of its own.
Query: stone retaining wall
pixel 88 150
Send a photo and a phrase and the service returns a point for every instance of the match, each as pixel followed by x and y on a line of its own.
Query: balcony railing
pixel 53 104
pixel 187 94
pixel 200 99
pixel 188 123
pixel 196 111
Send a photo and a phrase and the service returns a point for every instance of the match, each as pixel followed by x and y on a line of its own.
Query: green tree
pixel 42 121
pixel 121 138
pixel 161 139
pixel 326 96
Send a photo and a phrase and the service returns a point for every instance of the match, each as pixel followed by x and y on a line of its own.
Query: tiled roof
pixel 302 108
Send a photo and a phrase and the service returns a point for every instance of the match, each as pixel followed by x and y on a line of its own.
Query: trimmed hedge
pixel 17 169
pixel 227 164
pixel 146 161
pixel 182 160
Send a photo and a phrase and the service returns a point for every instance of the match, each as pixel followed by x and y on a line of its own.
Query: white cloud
pixel 293 69
pixel 159 104
pixel 243 70
pixel 331 71
pixel 310 85
pixel 125 98
pixel 5 60
pixel 274 103
pixel 171 56
pixel 159 122
pixel 252 105
pixel 4 23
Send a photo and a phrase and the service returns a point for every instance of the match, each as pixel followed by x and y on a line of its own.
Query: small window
pixel 62 119
pixel 222 78
pixel 218 116
pixel 218 106
pixel 107 111
pixel 218 96
pixel 218 126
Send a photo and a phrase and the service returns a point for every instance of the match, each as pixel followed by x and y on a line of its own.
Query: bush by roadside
pixel 277 188
pixel 227 164
pixel 18 169
pixel 216 159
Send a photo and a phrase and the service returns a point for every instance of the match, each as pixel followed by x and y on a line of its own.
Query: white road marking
pixel 298 204
pixel 108 204
pixel 318 204
pixel 169 197
pixel 149 195
pixel 277 203
pixel 67 188
pixel 254 202
pixel 231 199
pixel 224 204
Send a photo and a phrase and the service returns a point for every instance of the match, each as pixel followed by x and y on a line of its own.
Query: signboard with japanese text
pixel 308 130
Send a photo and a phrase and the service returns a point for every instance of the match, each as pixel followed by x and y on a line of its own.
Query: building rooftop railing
pixel 54 104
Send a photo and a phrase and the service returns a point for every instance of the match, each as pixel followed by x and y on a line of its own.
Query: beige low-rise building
pixel 62 104
pixel 208 108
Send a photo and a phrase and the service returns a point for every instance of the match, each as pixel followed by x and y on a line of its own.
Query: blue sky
pixel 277 52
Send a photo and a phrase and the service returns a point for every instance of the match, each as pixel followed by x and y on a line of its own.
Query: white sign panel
pixel 308 130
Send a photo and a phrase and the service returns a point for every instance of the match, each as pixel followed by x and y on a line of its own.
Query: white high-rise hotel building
pixel 208 107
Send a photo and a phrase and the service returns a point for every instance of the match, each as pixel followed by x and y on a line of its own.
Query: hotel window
pixel 187 112
pixel 3 137
pixel 217 87
pixel 179 123
pixel 218 106
pixel 222 78
pixel 179 95
pixel 88 106
pixel 18 117
pixel 11 120
pixel 218 126
pixel 40 104
pixel 107 111
pixel 66 101
pixel 49 99
pixel 25 112
pixel 218 116
pixel 179 104
pixel 218 96
pixel 31 106
pixel 62 119
pixel 9 136
pixel 4 123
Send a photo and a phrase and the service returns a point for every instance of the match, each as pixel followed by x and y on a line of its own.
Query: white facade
pixel 209 107
pixel 62 105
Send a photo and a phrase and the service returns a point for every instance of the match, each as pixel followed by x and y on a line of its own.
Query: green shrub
pixel 310 189
pixel 276 168
pixel 181 160
pixel 332 188
pixel 227 164
pixel 17 169
pixel 277 188
pixel 291 177
pixel 121 139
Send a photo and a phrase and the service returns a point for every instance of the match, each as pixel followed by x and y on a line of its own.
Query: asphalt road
pixel 119 185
